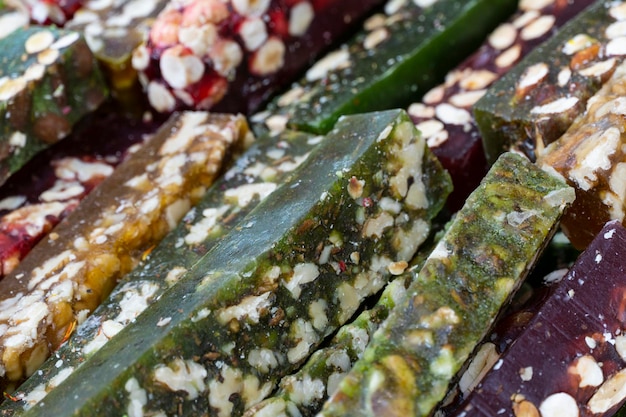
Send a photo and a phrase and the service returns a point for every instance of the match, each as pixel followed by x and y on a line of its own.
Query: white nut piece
pixel 180 71
pixel 300 17
pixel 509 57
pixel 269 58
pixel 538 28
pixel 503 37
pixel 559 405
pixel 334 61
pixel 38 41
pixel 160 98
pixel 588 370
pixel 533 76
pixel 253 32
pixel 611 393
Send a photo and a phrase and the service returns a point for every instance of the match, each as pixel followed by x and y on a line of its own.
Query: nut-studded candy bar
pixel 50 186
pixel 255 176
pixel 48 81
pixel 570 358
pixel 591 157
pixel 486 252
pixel 233 55
pixel 262 299
pixel 534 104
pixel 397 55
pixel 444 115
pixel 68 274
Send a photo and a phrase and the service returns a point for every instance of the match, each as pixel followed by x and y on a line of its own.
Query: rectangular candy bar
pixel 397 55
pixel 196 54
pixel 534 103
pixel 256 305
pixel 68 274
pixel 483 257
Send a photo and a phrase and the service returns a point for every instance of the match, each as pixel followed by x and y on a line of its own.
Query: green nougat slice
pixel 304 392
pixel 397 55
pixel 534 104
pixel 262 299
pixel 255 175
pixel 48 81
pixel 470 275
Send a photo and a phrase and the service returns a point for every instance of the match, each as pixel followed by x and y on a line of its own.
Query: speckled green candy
pixel 262 299
pixel 391 62
pixel 469 276
pixel 48 81
pixel 268 162
pixel 302 394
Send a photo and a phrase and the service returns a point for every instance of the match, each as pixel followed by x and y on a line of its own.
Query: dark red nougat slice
pixel 232 55
pixel 570 360
pixel 444 115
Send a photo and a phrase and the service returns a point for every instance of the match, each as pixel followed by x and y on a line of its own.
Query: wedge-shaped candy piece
pixel 45 190
pixel 397 55
pixel 233 55
pixel 472 272
pixel 592 158
pixel 535 103
pixel 444 116
pixel 261 300
pixel 66 276
pixel 49 81
pixel 569 359
pixel 255 176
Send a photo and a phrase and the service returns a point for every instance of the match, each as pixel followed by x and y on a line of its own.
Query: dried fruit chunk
pixel 486 252
pixel 50 186
pixel 233 55
pixel 49 81
pixel 444 116
pixel 67 275
pixel 304 393
pixel 254 177
pixel 591 157
pixel 396 56
pixel 257 304
pixel 535 103
pixel 586 371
